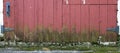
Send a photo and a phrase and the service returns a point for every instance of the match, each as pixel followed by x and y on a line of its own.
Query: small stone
pixel 45 49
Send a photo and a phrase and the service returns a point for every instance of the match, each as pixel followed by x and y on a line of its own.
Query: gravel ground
pixel 41 52
pixel 15 50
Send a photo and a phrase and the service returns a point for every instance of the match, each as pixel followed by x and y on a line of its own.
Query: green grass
pixel 30 48
pixel 97 49
pixel 105 49
pixel 69 48
pixel 55 48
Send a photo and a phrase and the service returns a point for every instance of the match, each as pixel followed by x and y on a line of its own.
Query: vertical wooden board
pixel 11 17
pixel 29 14
pixel 112 22
pixel 85 21
pixel 48 13
pixel 26 13
pixel 39 13
pixel 7 22
pixel 103 19
pixel 4 14
pixel 32 14
pixel 66 16
pixel 26 18
pixel 94 17
pixel 55 21
pixel 16 10
pixel 19 15
pixel 112 1
pixel 75 17
pixel 58 15
pixel 35 14
pixel 112 18
pixel 78 17
pixel 72 16
pixel 84 18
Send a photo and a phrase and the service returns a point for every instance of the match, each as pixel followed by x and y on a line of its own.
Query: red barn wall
pixel 56 14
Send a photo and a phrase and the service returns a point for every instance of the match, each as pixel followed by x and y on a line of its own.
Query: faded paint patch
pixel 84 1
pixel 67 2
